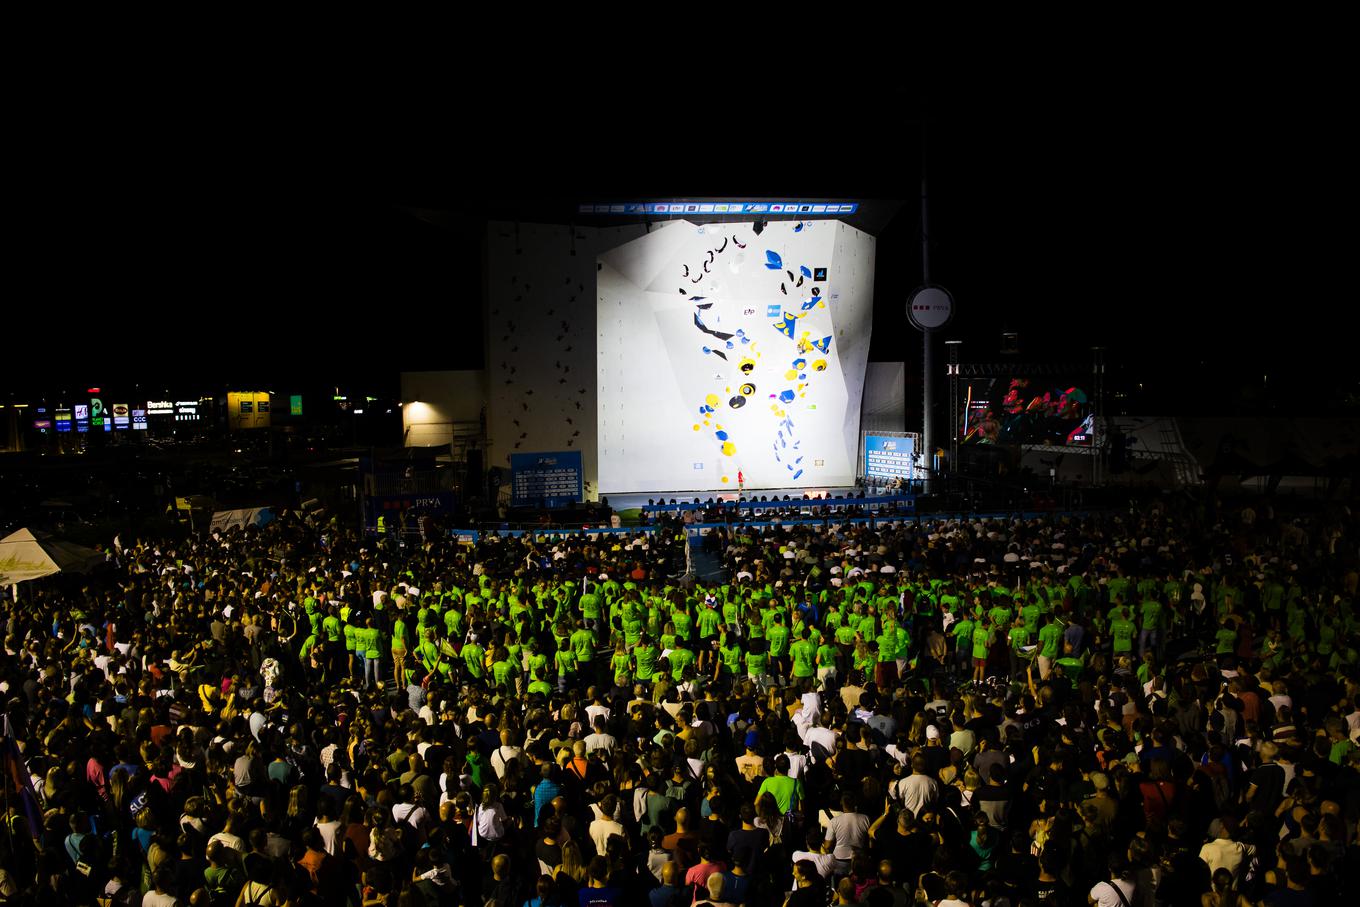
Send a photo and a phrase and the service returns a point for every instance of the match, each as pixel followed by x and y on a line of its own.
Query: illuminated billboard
pixel 248 409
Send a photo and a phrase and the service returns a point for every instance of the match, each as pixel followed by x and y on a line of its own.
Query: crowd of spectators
pixel 1132 709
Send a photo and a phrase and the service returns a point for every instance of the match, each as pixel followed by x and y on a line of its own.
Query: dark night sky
pixel 1177 222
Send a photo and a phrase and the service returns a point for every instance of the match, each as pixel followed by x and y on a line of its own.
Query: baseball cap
pixel 932 732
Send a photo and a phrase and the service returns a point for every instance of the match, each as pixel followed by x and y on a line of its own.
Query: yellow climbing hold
pixel 728 448
pixel 711 399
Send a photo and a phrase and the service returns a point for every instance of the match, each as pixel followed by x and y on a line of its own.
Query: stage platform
pixel 638 500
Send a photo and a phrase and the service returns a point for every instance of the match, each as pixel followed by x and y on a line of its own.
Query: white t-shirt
pixel 1104 894
pixel 604 742
pixel 917 791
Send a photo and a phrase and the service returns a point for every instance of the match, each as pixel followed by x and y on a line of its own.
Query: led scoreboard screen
pixel 889 457
pixel 549 480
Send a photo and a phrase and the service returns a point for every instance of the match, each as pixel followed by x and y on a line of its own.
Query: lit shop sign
pixel 248 409
pixel 43 425
pixel 139 420
pixel 787 208
pixel 187 411
pixel 121 416
pixel 160 408
pixel 96 412
pixel 82 413
pixel 63 419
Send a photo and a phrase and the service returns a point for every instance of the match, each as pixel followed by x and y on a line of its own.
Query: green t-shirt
pixel 731 657
pixel 982 641
pixel 331 626
pixel 473 656
pixel 826 655
pixel 502 671
pixel 755 663
pixel 903 641
pixel 645 659
pixel 787 792
pixel 1326 638
pixel 804 654
pixel 632 630
pixel 590 606
pixel 708 623
pixel 963 633
pixel 565 660
pixel 887 645
pixel 1018 637
pixel 1121 631
pixel 1226 639
pixel 778 635
pixel 680 659
pixel 621 665
pixel 1050 640
pixel 1152 614
pixel 583 645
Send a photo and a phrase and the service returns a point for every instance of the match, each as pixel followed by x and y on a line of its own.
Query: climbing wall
pixel 732 354
pixel 541 339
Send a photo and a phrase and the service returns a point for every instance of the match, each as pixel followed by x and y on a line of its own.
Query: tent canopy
pixel 240 519
pixel 26 555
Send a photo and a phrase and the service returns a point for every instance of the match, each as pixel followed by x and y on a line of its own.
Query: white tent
pixel 26 555
pixel 240 519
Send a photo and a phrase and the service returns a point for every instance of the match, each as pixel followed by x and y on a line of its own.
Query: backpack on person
pixel 254 893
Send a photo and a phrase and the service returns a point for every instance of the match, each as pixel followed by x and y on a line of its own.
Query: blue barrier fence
pixel 905 501
pixel 888 520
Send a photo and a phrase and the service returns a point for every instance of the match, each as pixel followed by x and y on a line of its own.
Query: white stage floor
pixel 631 500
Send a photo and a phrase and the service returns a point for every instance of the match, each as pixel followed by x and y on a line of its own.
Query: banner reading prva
pixel 550 480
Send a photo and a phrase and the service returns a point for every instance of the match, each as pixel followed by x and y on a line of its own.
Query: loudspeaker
pixel 475 483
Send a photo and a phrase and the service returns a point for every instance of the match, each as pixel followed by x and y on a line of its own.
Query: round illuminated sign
pixel 930 308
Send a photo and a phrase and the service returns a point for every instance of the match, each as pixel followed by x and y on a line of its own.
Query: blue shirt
pixel 599 897
pixel 543 796
pixel 1074 634
pixel 664 896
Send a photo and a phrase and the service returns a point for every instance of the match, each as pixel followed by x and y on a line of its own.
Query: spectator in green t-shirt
pixel 1149 633
pixel 983 637
pixel 804 655
pixel 1018 638
pixel 787 792
pixel 1121 633
pixel 1050 646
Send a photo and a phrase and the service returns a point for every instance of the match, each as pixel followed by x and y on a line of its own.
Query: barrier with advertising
pixel 392 506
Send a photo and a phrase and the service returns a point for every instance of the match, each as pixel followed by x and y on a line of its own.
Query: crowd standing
pixel 1149 707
